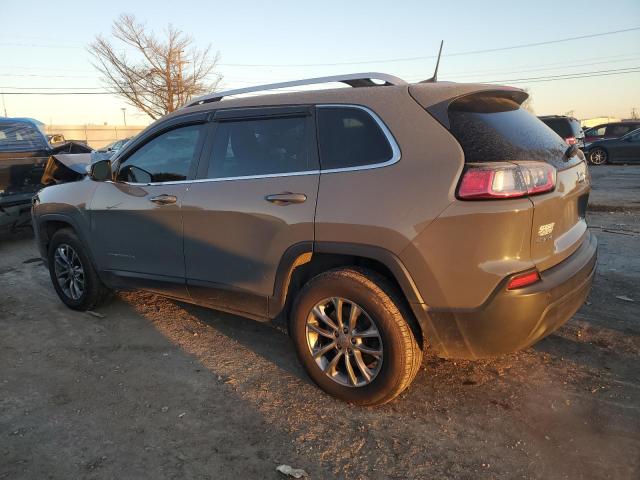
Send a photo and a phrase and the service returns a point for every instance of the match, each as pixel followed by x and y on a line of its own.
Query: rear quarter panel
pixel 389 206
pixel 459 260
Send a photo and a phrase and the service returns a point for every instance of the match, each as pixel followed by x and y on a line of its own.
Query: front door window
pixel 166 158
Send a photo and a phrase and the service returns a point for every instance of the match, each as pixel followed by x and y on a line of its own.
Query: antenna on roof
pixel 435 73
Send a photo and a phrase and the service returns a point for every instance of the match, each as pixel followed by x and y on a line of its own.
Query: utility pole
pixel 5 106
pixel 124 115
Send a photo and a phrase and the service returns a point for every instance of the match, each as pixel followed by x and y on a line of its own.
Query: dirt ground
pixel 153 388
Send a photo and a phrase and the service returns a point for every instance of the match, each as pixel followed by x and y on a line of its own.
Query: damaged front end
pixel 22 178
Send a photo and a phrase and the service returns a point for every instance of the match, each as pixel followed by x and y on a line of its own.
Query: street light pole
pixel 124 115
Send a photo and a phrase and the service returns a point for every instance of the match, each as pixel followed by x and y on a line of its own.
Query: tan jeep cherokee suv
pixel 376 219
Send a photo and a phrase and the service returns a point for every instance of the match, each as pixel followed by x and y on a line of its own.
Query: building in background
pixel 96 136
pixel 592 122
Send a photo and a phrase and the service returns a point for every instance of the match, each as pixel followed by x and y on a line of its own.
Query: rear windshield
pixel 565 127
pixel 492 128
pixel 20 137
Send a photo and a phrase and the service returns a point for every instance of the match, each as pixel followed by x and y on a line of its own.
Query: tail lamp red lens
pixel 523 280
pixel 506 180
pixel 570 140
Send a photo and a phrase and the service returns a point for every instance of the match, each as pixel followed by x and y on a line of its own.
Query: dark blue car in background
pixel 625 149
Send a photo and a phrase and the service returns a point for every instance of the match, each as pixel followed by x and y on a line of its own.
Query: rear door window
pixel 493 128
pixel 350 137
pixel 264 146
pixel 617 131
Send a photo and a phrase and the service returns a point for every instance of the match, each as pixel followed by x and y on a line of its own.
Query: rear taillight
pixel 523 280
pixel 506 180
pixel 570 140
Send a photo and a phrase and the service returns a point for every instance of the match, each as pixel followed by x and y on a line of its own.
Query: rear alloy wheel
pixel 598 156
pixel 344 341
pixel 352 335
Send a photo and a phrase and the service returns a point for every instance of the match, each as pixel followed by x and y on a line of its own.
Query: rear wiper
pixel 572 151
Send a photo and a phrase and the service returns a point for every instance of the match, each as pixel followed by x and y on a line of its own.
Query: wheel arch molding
pixel 316 257
pixel 49 223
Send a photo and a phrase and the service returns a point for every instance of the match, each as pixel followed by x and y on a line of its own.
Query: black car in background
pixel 615 150
pixel 567 127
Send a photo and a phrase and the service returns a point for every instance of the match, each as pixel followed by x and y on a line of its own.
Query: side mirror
pixel 101 171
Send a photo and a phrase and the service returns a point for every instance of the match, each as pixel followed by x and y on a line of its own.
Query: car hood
pixel 78 162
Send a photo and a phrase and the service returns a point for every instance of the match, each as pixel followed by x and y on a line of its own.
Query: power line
pixel 466 74
pixel 36 45
pixel 556 67
pixel 509 80
pixel 568 75
pixel 553 79
pixel 55 88
pixel 455 54
pixel 57 93
pixel 602 73
pixel 38 75
pixel 389 60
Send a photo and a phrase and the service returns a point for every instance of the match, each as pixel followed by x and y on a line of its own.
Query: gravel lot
pixel 153 388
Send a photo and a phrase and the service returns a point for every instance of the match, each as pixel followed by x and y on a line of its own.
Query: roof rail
pixel 352 79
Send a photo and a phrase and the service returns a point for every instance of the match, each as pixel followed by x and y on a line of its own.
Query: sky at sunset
pixel 43 48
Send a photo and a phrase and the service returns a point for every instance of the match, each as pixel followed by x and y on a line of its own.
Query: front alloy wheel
pixel 74 278
pixel 344 342
pixel 69 271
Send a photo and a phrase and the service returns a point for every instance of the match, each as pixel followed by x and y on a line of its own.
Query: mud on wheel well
pixel 322 262
pixel 49 228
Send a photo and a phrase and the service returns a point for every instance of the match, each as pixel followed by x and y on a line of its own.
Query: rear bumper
pixel 511 320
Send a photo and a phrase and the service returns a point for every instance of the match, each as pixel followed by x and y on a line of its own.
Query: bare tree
pixel 528 103
pixel 156 75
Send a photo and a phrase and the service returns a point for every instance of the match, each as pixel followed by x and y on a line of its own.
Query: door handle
pixel 164 199
pixel 286 198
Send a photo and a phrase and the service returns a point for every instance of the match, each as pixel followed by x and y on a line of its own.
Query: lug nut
pixel 345 330
pixel 353 340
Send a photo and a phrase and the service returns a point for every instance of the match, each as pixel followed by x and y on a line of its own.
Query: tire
pixel 379 308
pixel 598 156
pixel 66 244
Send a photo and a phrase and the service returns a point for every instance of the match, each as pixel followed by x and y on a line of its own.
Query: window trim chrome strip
pixel 396 154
